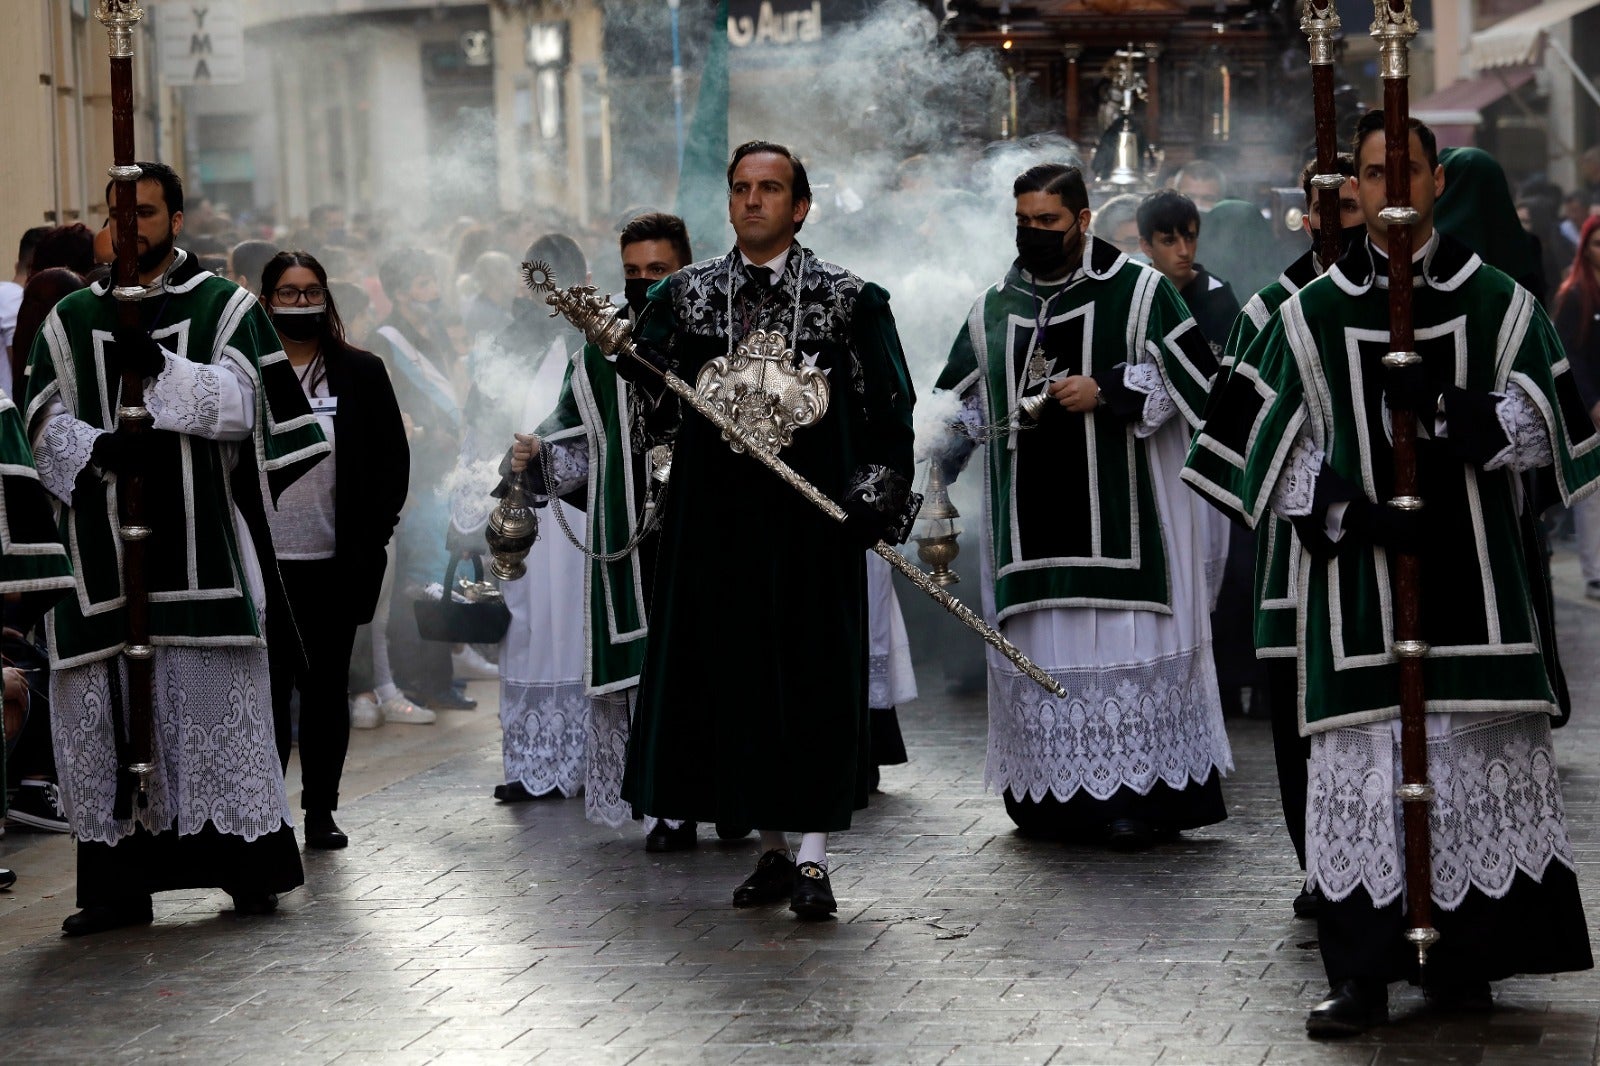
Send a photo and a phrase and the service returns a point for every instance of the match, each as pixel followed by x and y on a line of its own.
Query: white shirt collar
pixel 776 265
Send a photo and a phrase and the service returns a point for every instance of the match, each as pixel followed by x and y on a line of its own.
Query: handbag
pixel 482 619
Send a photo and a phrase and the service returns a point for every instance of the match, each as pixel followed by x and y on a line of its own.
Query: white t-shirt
pixel 10 302
pixel 302 525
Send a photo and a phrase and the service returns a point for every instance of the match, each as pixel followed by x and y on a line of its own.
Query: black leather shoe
pixel 321 832
pixel 1352 1007
pixel 813 892
pixel 1459 997
pixel 1305 904
pixel 248 903
pixel 1130 834
pixel 516 793
pixel 772 882
pixel 662 838
pixel 443 701
pixel 7 877
pixel 729 831
pixel 99 919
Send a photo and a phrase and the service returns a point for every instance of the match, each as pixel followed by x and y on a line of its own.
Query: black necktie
pixel 760 276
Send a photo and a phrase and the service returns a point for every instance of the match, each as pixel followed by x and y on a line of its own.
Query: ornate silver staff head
pixel 1320 23
pixel 118 17
pixel 1393 27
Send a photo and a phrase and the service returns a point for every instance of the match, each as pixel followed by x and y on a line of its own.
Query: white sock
pixel 813 848
pixel 385 693
pixel 772 840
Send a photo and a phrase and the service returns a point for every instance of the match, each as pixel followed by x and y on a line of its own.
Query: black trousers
pixel 322 678
pixel 1289 749
pixel 1538 927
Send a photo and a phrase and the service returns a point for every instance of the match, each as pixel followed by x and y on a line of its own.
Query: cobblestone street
pixel 458 930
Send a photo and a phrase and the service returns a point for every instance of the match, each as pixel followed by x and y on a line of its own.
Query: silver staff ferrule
pixel 1415 793
pixel 1400 216
pixel 134 532
pixel 1409 649
pixel 1422 939
pixel 130 172
pixel 138 651
pixel 1406 503
pixel 134 414
pixel 129 292
pixel 1328 181
pixel 1396 360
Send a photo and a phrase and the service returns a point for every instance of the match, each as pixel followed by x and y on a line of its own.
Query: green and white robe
pixel 33 558
pixel 226 399
pixel 1095 562
pixel 1308 392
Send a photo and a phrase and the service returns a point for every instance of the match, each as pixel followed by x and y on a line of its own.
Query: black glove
pixel 879 505
pixel 133 349
pixel 1363 522
pixel 645 367
pixel 1409 388
pixel 122 451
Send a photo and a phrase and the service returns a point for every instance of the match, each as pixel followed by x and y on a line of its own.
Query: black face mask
pixel 300 327
pixel 1043 252
pixel 634 290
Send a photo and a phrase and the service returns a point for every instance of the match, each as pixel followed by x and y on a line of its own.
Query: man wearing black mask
pixel 599 447
pixel 1070 373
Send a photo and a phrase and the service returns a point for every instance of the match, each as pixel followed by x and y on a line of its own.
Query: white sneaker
pixel 364 713
pixel 403 710
pixel 468 665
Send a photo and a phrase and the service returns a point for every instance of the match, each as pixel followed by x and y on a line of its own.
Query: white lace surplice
pixel 1498 808
pixel 544 713
pixel 608 758
pixel 1142 704
pixel 890 681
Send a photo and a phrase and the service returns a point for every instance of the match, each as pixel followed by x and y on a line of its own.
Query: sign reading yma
pixel 202 42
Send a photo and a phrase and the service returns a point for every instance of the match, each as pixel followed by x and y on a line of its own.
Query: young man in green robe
pixel 1095 560
pixel 753 702
pixel 1301 429
pixel 225 405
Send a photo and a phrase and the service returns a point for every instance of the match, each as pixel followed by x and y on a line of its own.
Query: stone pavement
pixel 455 930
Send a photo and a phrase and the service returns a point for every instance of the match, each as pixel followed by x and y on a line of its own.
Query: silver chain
pixel 652 515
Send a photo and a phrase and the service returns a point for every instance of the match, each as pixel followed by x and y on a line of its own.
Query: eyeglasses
pixel 288 294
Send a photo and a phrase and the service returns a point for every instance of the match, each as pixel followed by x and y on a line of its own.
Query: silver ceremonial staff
pixel 596 318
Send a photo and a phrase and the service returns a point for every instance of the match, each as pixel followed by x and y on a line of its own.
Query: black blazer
pixel 372 467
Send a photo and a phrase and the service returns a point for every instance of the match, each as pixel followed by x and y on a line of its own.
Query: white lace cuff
pixel 569 465
pixel 214 402
pixel 1145 379
pixel 61 450
pixel 1297 483
pixel 1525 429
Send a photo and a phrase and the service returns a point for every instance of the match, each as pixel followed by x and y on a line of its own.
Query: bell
pixel 1127 168
pixel 938 547
pixel 513 527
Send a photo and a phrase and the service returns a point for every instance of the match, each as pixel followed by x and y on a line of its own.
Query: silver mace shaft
pixel 597 319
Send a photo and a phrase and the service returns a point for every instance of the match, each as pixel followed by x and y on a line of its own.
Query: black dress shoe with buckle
pixel 665 838
pixel 1459 997
pixel 516 793
pixel 1130 834
pixel 1353 1006
pixel 249 903
pixel 729 831
pixel 322 832
pixel 813 892
pixel 7 877
pixel 1305 904
pixel 106 916
pixel 772 882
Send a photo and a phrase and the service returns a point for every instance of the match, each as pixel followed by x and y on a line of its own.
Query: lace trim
pixel 1499 809
pixel 879 689
pixel 1525 429
pixel 606 737
pixel 1119 726
pixel 1297 485
pixel 543 733
pixel 216 757
pixel 1145 379
pixel 62 453
pixel 186 398
pixel 569 462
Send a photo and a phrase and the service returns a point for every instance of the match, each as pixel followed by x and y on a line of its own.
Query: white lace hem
pixel 543 734
pixel 213 746
pixel 1120 726
pixel 1145 379
pixel 606 732
pixel 1296 487
pixel 1498 809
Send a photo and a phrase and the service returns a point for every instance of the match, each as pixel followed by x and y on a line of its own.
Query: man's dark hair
pixel 1372 122
pixel 250 257
pixel 562 253
pixel 398 269
pixel 70 246
pixel 171 184
pixel 659 226
pixel 30 241
pixel 1343 162
pixel 1167 211
pixel 1059 180
pixel 799 186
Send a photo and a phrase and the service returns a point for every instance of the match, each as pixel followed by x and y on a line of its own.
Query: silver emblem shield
pixel 760 389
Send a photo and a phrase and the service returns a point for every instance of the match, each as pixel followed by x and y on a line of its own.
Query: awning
pixel 1462 103
pixel 1515 41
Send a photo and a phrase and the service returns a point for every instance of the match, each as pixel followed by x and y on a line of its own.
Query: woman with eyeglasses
pixel 329 529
